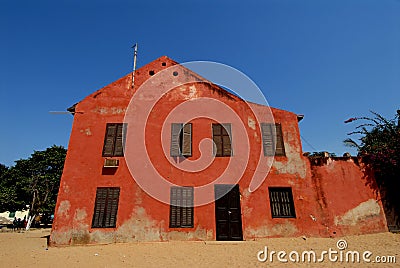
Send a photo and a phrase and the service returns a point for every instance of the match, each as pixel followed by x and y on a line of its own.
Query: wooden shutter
pixel 181 207
pixel 173 208
pixel 118 147
pixel 99 209
pixel 280 147
pixel 186 143
pixel 222 136
pixel 106 207
pixel 113 141
pixel 181 139
pixel 272 138
pixel 217 138
pixel 110 218
pixel 187 207
pixel 109 140
pixel 227 139
pixel 267 138
pixel 175 139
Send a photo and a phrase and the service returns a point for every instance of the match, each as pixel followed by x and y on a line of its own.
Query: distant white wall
pixel 18 214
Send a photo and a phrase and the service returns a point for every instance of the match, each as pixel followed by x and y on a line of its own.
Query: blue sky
pixel 328 60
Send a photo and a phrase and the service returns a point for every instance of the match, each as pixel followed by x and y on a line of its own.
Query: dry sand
pixel 28 249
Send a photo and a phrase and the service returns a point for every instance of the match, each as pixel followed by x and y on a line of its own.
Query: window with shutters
pixel 281 201
pixel 106 207
pixel 181 207
pixel 272 138
pixel 181 139
pixel 113 141
pixel 222 139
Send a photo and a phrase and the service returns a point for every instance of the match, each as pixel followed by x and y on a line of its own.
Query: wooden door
pixel 227 212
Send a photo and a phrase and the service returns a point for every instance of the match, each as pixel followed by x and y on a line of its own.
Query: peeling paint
pixel 247 211
pixel 80 232
pixel 251 123
pixel 363 211
pixel 198 234
pixel 138 196
pixel 60 237
pixel 102 110
pixel 80 236
pixel 99 236
pixel 65 187
pixel 188 93
pixel 86 131
pixel 246 193
pixel 192 92
pixel 107 110
pixel 140 227
pixel 118 110
pixel 63 208
pixel 285 229
pixel 294 165
pixel 80 214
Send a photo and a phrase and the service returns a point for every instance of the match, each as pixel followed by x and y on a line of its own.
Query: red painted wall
pixel 347 203
pixel 327 198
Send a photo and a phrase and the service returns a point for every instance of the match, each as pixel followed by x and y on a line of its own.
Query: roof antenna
pixel 135 46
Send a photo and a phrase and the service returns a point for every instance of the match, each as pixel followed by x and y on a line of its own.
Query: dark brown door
pixel 227 212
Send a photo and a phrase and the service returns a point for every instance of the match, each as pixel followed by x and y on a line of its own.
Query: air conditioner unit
pixel 111 162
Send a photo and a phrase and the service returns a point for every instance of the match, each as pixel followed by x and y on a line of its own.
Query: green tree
pixel 7 190
pixel 33 182
pixel 3 170
pixel 379 146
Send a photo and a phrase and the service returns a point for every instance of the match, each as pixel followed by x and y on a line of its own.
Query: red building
pixel 179 158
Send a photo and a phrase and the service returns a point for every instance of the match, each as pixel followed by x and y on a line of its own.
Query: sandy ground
pixel 29 249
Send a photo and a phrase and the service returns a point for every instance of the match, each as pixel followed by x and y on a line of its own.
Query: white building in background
pixel 15 214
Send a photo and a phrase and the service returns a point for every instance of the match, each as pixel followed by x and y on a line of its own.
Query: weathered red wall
pixel 324 196
pixel 347 203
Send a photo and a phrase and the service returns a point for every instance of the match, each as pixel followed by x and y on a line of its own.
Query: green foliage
pixel 321 154
pixel 379 143
pixel 379 146
pixel 8 189
pixel 33 181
